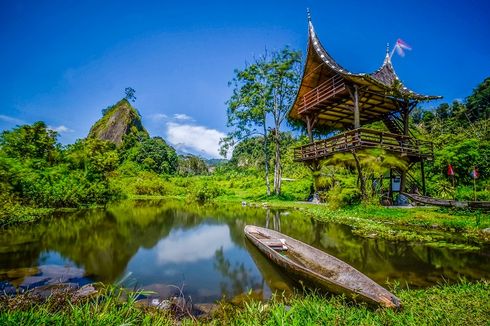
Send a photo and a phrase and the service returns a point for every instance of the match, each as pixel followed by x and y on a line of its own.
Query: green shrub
pixel 141 183
pixel 149 184
pixel 338 197
pixel 467 193
pixel 205 192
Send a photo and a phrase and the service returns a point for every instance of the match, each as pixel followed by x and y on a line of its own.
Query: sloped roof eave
pixel 397 92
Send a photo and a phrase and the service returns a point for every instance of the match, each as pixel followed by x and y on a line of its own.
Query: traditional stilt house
pixel 333 97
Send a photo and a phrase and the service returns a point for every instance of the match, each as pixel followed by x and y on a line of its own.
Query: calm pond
pixel 154 244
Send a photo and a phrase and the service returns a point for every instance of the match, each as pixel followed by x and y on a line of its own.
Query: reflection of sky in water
pixel 188 257
pixel 54 258
pixel 186 246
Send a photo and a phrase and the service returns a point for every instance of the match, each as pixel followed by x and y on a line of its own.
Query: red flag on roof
pixel 400 46
pixel 450 170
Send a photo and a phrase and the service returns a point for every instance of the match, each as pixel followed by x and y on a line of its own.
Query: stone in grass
pixel 45 291
pixel 8 289
pixel 203 310
pixel 161 290
pixel 163 304
pixel 85 291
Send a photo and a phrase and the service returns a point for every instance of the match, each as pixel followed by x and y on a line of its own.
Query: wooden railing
pixel 324 91
pixel 365 138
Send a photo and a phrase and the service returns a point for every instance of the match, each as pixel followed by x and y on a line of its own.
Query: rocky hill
pixel 119 120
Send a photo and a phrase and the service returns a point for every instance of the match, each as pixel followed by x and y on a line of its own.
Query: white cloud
pixel 193 245
pixel 159 117
pixel 195 138
pixel 182 116
pixel 61 129
pixel 12 120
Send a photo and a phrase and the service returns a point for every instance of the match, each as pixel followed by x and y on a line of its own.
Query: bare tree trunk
pixel 266 158
pixel 361 179
pixel 277 167
pixel 277 141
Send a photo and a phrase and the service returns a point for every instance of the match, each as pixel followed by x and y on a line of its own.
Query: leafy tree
pixel 247 109
pixel 283 78
pixel 478 102
pixel 47 176
pixel 129 94
pixel 155 155
pixel 132 140
pixel 249 153
pixel 264 88
pixel 420 116
pixel 34 141
pixel 463 153
pixel 94 156
pixel 461 136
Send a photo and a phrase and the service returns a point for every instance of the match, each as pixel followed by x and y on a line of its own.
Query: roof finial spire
pixel 388 56
pixel 309 14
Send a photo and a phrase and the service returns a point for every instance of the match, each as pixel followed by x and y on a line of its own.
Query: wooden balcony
pixel 362 138
pixel 323 92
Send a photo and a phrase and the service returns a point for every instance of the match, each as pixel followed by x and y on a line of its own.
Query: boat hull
pixel 313 266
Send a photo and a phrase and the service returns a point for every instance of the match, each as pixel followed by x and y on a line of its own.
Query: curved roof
pixel 381 91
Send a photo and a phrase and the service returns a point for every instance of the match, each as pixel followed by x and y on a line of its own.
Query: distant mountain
pixel 117 121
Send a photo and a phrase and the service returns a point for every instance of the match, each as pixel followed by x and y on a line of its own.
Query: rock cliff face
pixel 119 120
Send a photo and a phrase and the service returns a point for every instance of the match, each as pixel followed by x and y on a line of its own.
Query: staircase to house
pixel 411 182
pixel 394 125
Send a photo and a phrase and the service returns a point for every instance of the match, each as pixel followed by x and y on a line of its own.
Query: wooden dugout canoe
pixel 483 205
pixel 315 266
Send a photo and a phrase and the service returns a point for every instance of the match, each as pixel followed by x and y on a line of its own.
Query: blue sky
pixel 64 61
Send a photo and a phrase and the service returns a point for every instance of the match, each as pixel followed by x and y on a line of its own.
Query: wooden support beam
pixel 405 116
pixel 391 185
pixel 354 94
pixel 310 124
pixel 357 120
pixel 309 128
pixel 422 172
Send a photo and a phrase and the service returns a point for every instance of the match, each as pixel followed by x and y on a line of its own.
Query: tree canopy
pixel 263 93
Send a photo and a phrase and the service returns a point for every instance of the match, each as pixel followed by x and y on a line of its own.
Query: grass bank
pixel 459 304
pixel 433 226
pixel 458 229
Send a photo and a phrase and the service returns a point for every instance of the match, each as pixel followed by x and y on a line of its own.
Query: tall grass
pixel 111 306
pixel 460 304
